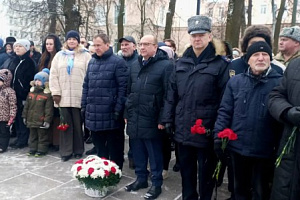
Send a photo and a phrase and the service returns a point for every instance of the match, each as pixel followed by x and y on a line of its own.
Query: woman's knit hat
pixel 73 34
pixel 42 76
pixel 258 47
pixel 23 42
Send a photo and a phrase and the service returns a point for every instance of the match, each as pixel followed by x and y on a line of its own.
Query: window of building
pixel 161 16
pixel 221 12
pixel 263 9
pixel 11 20
pixel 11 33
pixel 100 15
pixel 210 12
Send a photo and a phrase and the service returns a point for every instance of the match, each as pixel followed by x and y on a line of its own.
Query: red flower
pixel 63 127
pixel 113 170
pixel 89 161
pixel 105 163
pixel 79 168
pixel 103 158
pixel 79 161
pixel 227 133
pixel 198 128
pixel 90 170
pixel 106 173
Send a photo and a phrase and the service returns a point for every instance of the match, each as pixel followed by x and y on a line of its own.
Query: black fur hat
pixel 256 31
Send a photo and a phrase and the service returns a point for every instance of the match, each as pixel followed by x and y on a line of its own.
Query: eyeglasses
pixel 145 44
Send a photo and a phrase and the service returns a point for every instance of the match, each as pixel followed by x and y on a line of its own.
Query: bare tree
pixel 52 4
pixel 141 4
pixel 249 11
pixel 120 21
pixel 235 10
pixel 72 15
pixel 294 14
pixel 169 19
pixel 278 25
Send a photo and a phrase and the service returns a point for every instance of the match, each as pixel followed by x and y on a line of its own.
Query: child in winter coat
pixel 8 108
pixel 37 114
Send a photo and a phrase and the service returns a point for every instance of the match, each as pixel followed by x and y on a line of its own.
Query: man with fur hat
pixel 288 45
pixel 23 69
pixel 194 92
pixel 243 109
pixel 38 113
pixel 252 34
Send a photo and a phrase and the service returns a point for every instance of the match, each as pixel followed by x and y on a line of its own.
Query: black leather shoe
pixel 66 158
pixel 77 156
pixel 153 192
pixel 136 185
pixel 92 151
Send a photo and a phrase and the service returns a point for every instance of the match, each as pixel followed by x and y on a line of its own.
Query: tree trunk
pixel 52 4
pixel 249 12
pixel 72 15
pixel 169 19
pixel 243 22
pixel 294 14
pixel 120 22
pixel 273 16
pixel 235 10
pixel 108 3
pixel 278 26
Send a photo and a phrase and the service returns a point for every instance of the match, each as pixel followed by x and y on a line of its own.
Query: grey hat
pixel 23 42
pixel 291 32
pixel 128 38
pixel 199 24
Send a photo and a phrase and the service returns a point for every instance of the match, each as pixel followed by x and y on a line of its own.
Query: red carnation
pixel 79 161
pixel 90 170
pixel 198 128
pixel 106 173
pixel 105 163
pixel 199 122
pixel 113 170
pixel 79 168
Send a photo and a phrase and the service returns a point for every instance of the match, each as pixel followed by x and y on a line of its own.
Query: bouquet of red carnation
pixel 198 128
pixel 288 146
pixel 62 126
pixel 226 135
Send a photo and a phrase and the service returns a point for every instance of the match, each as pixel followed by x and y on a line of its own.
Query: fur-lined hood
pixel 46 87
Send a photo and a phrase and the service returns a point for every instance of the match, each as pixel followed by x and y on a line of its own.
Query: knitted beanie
pixel 73 34
pixel 258 47
pixel 291 32
pixel 23 42
pixel 42 76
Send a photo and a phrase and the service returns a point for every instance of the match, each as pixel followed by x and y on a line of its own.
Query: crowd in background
pixel 79 91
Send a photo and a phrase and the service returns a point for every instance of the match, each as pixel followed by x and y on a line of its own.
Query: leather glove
pixel 169 128
pixel 25 121
pixel 46 125
pixel 56 99
pixel 293 115
pixel 218 150
pixel 82 112
pixel 116 116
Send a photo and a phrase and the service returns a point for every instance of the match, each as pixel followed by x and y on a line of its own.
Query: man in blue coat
pixel 147 86
pixel 103 99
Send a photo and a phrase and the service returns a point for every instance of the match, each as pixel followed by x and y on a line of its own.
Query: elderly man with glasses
pixel 147 87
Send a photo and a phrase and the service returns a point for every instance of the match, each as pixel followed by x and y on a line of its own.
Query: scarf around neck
pixel 70 55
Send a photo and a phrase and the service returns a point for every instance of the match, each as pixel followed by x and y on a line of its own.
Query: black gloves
pixel 82 112
pixel 218 150
pixel 116 116
pixel 293 115
pixel 169 128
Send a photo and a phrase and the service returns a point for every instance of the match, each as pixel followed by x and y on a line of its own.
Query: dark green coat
pixel 38 107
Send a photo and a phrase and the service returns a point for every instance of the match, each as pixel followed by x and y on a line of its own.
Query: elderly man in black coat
pixel 147 86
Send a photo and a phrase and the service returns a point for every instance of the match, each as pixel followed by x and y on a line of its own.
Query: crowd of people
pixel 79 91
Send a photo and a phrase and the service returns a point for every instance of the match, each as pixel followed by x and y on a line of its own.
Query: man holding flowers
pixel 244 110
pixel 284 105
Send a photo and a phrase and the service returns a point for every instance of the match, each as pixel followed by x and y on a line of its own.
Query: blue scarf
pixel 70 55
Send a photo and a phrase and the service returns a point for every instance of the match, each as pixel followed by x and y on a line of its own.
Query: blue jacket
pixel 244 110
pixel 104 91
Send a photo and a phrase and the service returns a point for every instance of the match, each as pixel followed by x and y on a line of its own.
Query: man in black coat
pixel 147 86
pixel 284 105
pixel 194 92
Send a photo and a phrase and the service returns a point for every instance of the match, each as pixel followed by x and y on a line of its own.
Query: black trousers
pixel 4 135
pixel 166 150
pixel 251 177
pixel 190 157
pixel 110 144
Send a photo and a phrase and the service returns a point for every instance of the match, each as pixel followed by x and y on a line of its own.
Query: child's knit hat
pixel 43 76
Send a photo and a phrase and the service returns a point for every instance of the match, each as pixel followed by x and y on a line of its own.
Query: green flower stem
pixel 288 146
